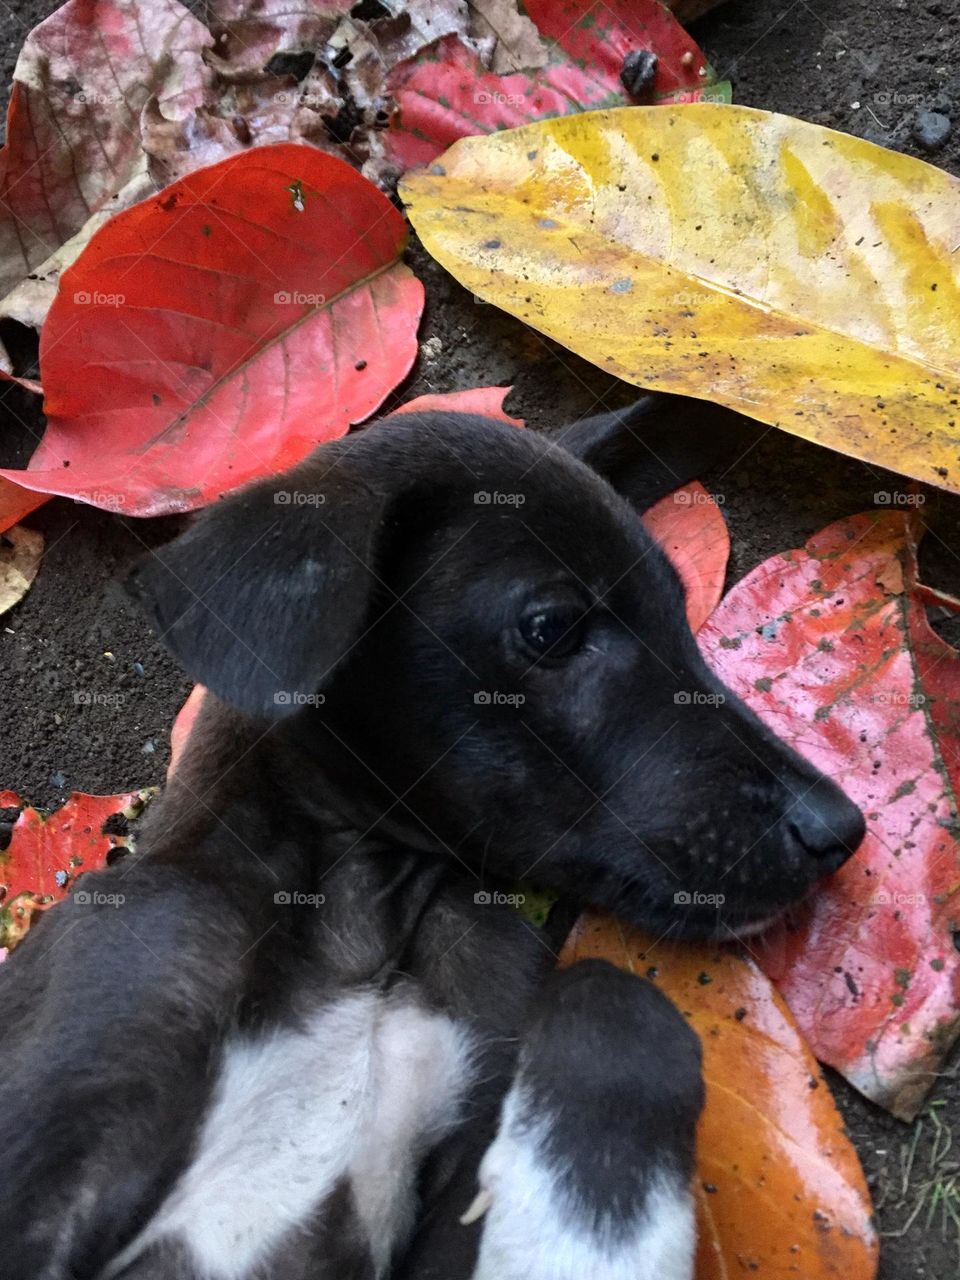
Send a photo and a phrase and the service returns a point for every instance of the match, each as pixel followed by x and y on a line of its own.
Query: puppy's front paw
pixel 590 1171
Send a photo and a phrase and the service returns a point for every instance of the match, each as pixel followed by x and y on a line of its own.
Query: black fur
pixel 638 1095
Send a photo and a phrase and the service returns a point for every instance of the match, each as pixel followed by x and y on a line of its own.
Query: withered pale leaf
pixel 20 553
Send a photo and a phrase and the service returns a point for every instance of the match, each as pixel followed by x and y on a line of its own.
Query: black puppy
pixel 446 656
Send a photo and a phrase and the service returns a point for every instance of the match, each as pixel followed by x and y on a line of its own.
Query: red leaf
pixel 831 647
pixel 487 401
pixel 218 332
pixel 444 93
pixel 47 854
pixel 690 528
pixel 601 36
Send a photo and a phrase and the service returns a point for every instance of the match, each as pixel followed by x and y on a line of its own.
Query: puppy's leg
pixel 113 1012
pixel 589 1174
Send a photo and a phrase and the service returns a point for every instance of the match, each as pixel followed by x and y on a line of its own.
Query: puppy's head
pixel 467 629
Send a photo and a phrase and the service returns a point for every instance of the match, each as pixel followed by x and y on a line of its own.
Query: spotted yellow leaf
pixel 804 277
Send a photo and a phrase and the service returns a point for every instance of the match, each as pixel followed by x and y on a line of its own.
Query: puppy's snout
pixel 825 825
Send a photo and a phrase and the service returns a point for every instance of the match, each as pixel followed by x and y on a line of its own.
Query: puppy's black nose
pixel 826 824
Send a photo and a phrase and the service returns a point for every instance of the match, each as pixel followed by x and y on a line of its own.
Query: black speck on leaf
pixel 296 64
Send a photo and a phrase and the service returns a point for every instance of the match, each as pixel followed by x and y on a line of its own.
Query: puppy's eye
pixel 553 630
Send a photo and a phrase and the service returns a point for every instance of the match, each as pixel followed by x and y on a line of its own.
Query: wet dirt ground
pixel 87 695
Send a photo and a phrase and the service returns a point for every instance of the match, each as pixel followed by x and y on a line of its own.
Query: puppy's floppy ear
pixel 266 592
pixel 657 444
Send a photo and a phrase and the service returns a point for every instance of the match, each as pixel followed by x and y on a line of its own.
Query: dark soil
pixel 866 68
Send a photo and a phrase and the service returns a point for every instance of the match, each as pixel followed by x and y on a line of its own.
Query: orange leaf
pixel 689 527
pixel 15 503
pixel 183 726
pixel 782 1193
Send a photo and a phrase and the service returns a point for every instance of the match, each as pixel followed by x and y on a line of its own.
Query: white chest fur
pixel 357 1093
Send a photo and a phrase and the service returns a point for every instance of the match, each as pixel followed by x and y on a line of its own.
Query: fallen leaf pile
pixel 194 216
pixel 585 56
pixel 114 99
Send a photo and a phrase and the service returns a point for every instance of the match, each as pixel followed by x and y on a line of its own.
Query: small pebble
pixel 931 129
pixel 138 668
pixel 149 747
pixel 58 780
pixel 638 72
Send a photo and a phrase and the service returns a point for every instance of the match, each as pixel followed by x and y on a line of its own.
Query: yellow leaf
pixel 804 277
